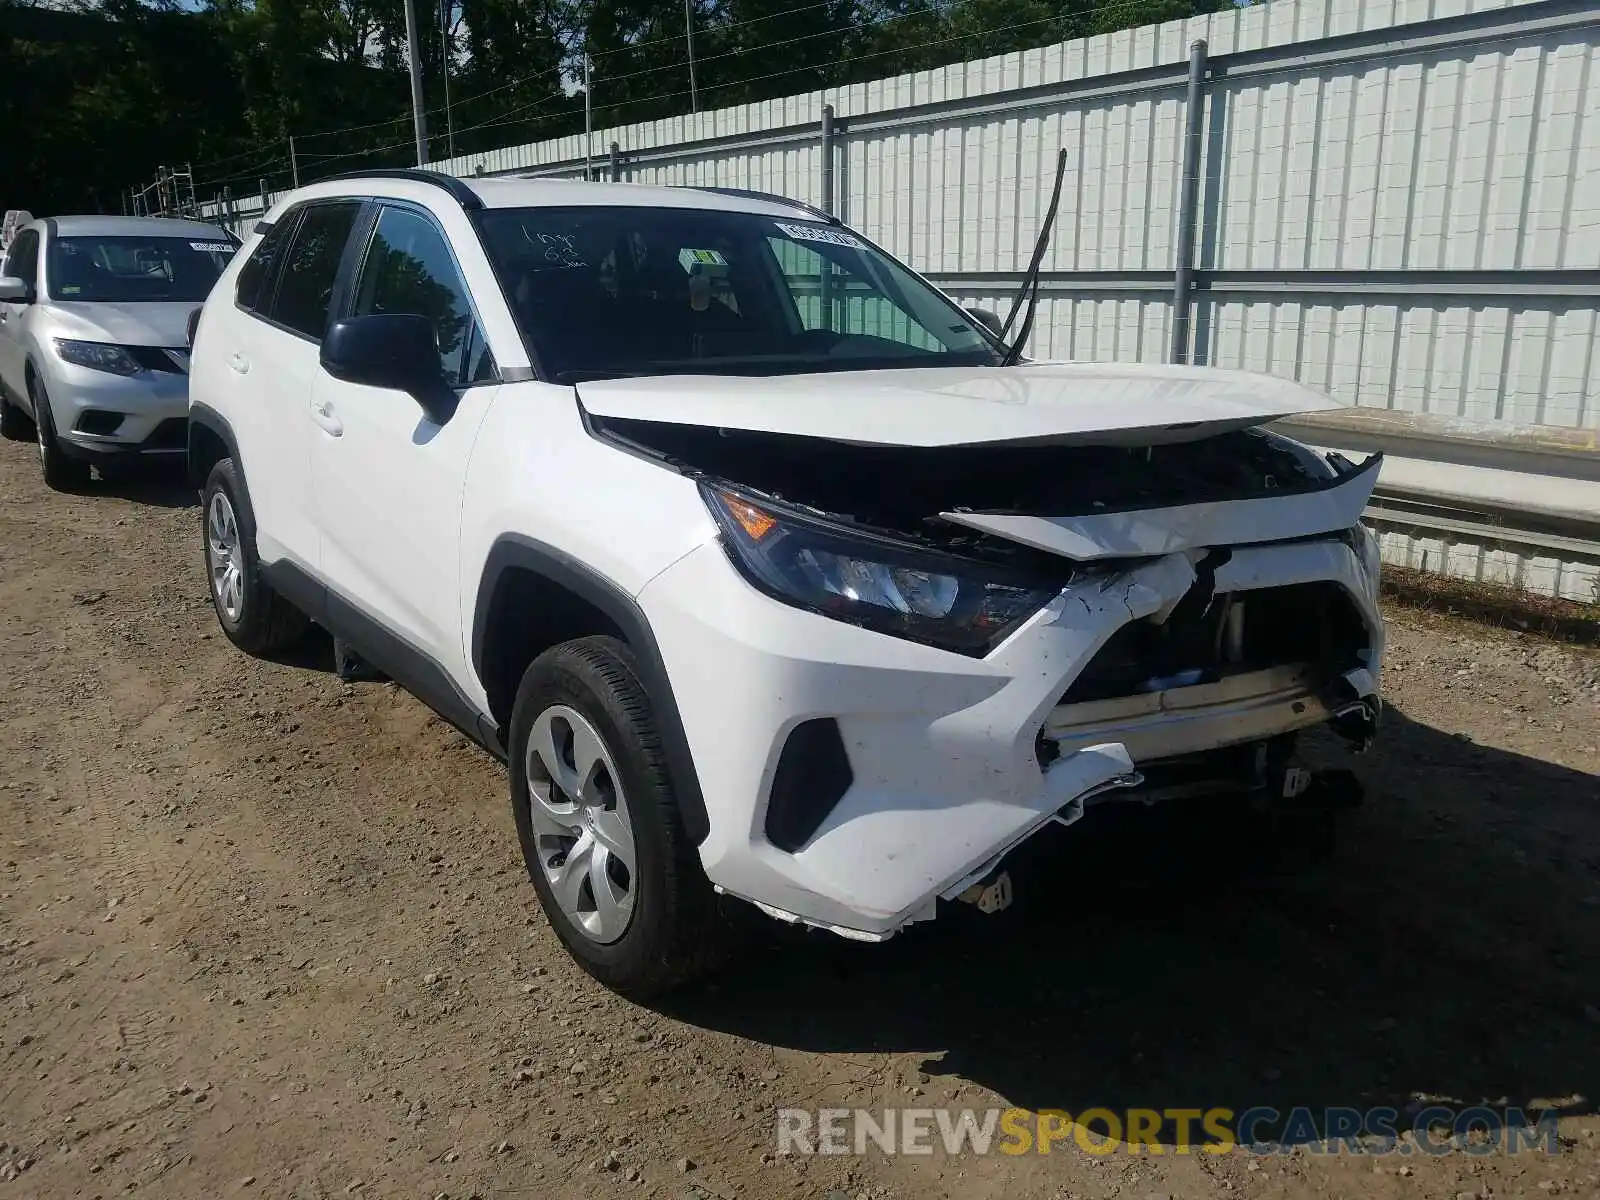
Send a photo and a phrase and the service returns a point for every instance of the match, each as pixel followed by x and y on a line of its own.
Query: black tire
pixel 15 425
pixel 676 932
pixel 61 474
pixel 262 621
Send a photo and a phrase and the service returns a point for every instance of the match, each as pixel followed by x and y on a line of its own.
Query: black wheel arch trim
pixel 203 416
pixel 516 552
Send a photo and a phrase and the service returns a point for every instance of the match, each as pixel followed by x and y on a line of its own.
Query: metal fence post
pixel 827 159
pixel 616 163
pixel 1188 204
pixel 265 203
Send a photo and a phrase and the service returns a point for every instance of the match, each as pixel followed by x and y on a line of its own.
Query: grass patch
pixel 1494 604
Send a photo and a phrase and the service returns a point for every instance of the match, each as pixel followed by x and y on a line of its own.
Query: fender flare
pixel 205 416
pixel 516 552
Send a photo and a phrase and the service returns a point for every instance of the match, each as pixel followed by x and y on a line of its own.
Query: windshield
pixel 120 269
pixel 609 292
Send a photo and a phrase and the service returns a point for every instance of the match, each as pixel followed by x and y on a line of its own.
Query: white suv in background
pixel 769 570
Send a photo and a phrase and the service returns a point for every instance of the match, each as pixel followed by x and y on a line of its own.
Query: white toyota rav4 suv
pixel 770 571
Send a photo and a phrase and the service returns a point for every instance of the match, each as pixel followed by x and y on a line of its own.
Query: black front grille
pixel 171 434
pixel 1315 623
pixel 154 358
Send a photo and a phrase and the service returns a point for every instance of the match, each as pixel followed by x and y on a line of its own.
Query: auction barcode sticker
pixel 212 247
pixel 818 233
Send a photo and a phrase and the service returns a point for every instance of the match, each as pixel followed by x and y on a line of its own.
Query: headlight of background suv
pixel 899 590
pixel 98 356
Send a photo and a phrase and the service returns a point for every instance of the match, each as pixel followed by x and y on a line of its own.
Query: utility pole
pixel 418 119
pixel 688 29
pixel 444 55
pixel 588 117
pixel 294 163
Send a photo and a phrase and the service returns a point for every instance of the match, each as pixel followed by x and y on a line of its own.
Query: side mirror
pixel 399 351
pixel 15 291
pixel 986 318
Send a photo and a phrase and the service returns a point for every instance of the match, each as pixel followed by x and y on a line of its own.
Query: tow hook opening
pixel 991 894
pixel 1357 723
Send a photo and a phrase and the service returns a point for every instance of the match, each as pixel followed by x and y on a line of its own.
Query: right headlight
pixel 98 356
pixel 957 605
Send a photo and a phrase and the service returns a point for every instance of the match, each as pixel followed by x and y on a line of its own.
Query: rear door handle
pixel 238 363
pixel 322 413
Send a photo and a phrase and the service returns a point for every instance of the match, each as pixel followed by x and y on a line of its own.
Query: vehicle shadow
pixel 157 484
pixel 1445 945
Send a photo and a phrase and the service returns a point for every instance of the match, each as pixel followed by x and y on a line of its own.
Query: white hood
pixel 137 323
pixel 1041 403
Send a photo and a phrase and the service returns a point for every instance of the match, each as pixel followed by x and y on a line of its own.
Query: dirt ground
pixel 265 933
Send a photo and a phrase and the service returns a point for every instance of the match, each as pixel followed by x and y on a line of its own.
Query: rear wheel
pixel 61 474
pixel 255 618
pixel 599 825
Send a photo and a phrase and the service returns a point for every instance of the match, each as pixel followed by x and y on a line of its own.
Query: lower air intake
pixel 812 777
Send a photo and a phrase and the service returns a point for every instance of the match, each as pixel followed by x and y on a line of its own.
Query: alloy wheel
pixel 223 557
pixel 581 824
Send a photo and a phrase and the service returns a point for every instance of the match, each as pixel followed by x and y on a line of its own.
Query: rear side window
pixel 310 268
pixel 260 270
pixel 23 260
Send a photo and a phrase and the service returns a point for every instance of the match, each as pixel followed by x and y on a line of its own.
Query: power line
pixel 268 168
pixel 513 117
pixel 806 37
pixel 954 37
pixel 556 70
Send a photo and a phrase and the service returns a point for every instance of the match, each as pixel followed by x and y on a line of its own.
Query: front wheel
pixel 599 825
pixel 61 474
pixel 255 618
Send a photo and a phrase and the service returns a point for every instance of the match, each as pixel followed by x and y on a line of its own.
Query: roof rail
pixel 770 198
pixel 464 195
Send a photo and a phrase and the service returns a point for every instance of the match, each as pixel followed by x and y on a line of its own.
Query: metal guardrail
pixel 1548 501
pixel 1544 450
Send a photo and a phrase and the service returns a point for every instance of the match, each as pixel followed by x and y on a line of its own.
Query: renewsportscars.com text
pixel 1435 1130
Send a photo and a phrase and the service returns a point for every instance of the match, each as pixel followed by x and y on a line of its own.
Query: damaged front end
pixel 1071 624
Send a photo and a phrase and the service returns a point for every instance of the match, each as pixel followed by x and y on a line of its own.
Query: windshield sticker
pixel 213 247
pixel 70 289
pixel 816 233
pixel 697 260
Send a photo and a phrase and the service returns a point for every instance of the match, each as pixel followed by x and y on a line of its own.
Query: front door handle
pixel 322 413
pixel 238 363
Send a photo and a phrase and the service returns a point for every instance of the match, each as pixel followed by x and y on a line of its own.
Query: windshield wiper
pixel 1030 280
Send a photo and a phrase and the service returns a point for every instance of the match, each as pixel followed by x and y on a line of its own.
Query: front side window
pixel 608 292
pixel 22 260
pixel 129 269
pixel 409 270
pixel 311 268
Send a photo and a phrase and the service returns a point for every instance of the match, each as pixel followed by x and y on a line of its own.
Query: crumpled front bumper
pixel 946 774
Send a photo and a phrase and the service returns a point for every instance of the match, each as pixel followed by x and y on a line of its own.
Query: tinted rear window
pixel 259 275
pixel 311 267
